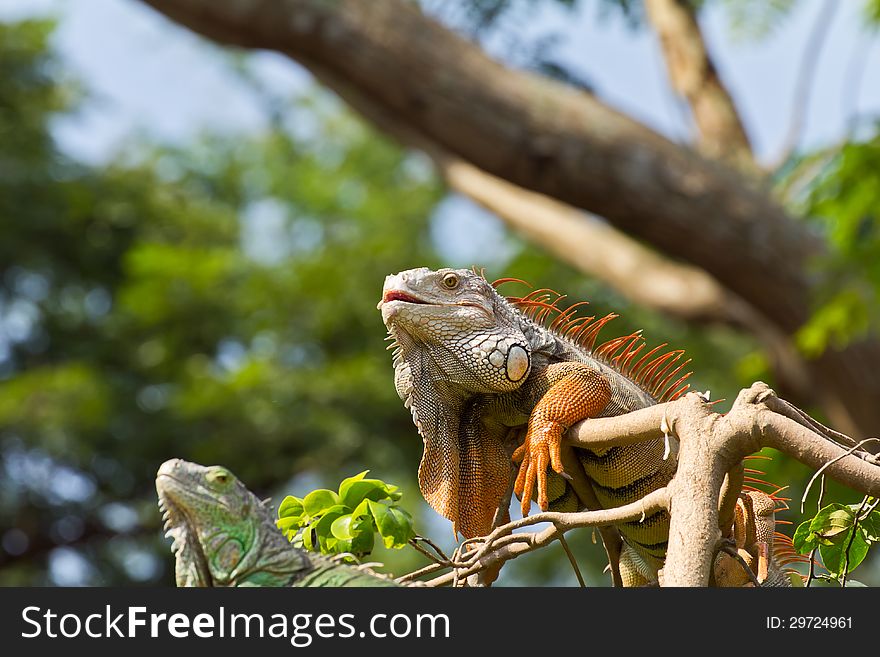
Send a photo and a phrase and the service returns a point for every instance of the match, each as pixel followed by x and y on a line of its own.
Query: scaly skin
pixel 225 536
pixel 489 385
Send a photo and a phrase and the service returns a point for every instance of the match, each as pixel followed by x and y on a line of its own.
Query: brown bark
pixel 545 136
pixel 721 134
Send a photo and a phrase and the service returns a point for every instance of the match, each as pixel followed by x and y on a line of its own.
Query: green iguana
pixel 492 381
pixel 224 536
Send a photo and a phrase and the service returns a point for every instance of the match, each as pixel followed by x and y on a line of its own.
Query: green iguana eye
pixel 220 476
pixel 450 281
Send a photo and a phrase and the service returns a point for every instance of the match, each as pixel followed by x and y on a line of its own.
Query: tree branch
pixel 545 136
pixel 694 76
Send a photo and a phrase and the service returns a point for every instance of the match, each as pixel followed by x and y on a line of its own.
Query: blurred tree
pixel 143 319
pixel 215 301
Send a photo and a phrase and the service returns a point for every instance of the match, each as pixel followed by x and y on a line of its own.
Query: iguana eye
pixel 450 281
pixel 218 477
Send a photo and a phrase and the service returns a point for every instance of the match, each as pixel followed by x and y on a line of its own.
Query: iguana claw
pixel 540 449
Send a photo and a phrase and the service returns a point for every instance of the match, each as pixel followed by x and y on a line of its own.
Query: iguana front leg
pixel 574 392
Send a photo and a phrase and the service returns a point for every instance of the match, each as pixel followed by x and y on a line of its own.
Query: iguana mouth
pixel 397 295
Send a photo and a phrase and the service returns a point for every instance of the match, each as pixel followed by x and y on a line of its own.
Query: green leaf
pixel 837 522
pixel 871 527
pixel 322 525
pixel 362 509
pixel 341 527
pixel 804 540
pixel 308 538
pixel 831 521
pixel 842 544
pixel 394 524
pixel 318 536
pixel 287 524
pixel 357 491
pixel 290 506
pixel 834 555
pixel 354 490
pixel 362 538
pixel 362 543
pixel 319 500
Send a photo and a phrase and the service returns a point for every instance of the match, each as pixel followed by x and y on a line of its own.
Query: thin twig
pixel 832 462
pixel 502 544
pixel 789 410
pixel 728 549
pixel 427 570
pixel 433 545
pixel 850 542
pixel 413 544
pixel 812 574
pixel 572 560
pixel 871 508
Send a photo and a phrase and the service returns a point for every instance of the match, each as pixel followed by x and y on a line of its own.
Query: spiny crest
pixel 784 552
pixel 657 372
pixel 752 482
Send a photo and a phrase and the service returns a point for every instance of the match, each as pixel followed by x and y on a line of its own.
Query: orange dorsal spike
pixel 542 292
pixel 579 326
pixel 591 332
pixel 639 366
pixel 678 393
pixel 574 326
pixel 608 350
pixel 625 362
pixel 663 375
pixel 667 385
pixel 645 376
pixel 566 317
pixel 501 281
pixel 627 351
pixel 667 390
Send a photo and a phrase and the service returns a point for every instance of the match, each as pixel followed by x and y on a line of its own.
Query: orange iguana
pixel 492 381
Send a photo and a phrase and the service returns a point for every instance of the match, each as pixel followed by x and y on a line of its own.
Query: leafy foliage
pixel 756 19
pixel 842 533
pixel 187 301
pixel 844 203
pixel 346 521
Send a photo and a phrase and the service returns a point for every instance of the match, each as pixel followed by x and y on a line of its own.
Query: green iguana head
pixel 473 336
pixel 222 534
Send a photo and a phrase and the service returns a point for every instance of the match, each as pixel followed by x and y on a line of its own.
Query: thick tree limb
pixel 545 136
pixel 593 247
pixel 721 134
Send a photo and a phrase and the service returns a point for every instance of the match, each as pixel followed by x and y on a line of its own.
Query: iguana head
pixel 470 331
pixel 222 534
pixel 456 338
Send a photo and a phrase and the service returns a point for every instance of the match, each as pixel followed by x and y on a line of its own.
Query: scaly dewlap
pixel 576 392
